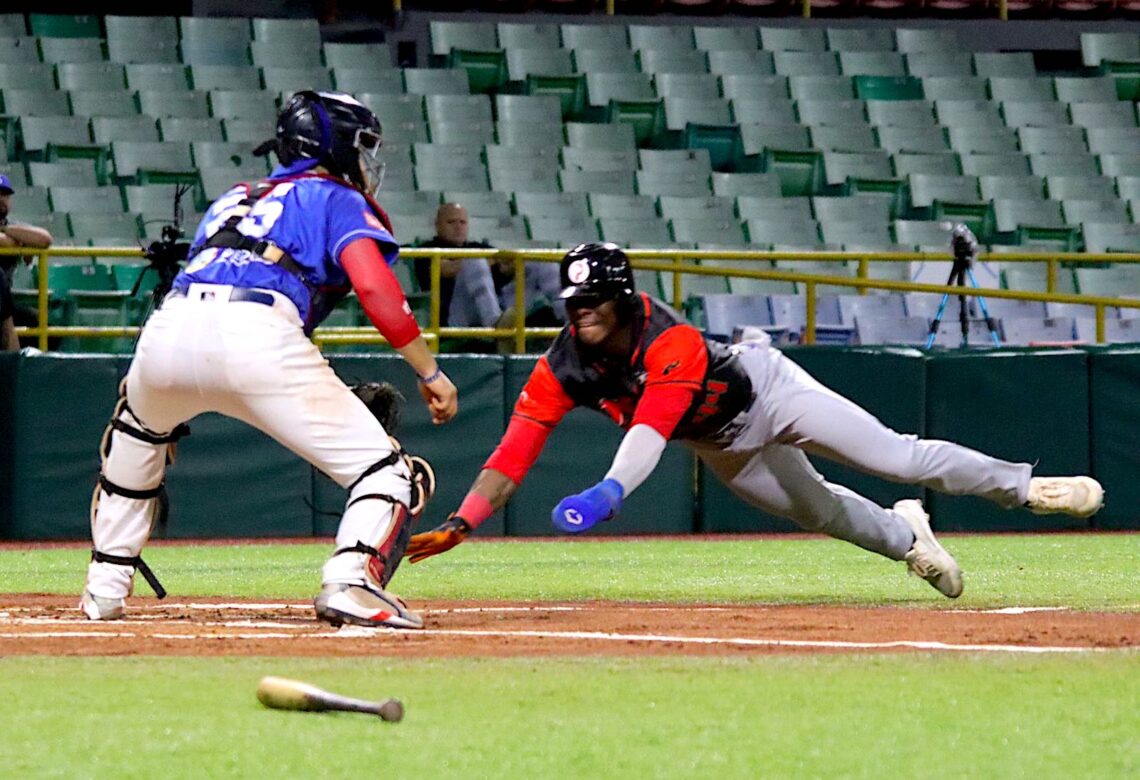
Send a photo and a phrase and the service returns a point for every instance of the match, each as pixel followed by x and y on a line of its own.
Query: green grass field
pixel 782 716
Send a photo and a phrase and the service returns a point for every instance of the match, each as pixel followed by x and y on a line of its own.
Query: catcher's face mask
pixel 367 144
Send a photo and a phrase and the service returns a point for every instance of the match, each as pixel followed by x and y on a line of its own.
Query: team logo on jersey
pixel 579 271
pixel 370 218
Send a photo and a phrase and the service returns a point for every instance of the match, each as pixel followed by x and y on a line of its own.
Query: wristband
pixel 427 380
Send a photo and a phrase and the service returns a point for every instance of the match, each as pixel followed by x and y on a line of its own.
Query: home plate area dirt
pixel 51 624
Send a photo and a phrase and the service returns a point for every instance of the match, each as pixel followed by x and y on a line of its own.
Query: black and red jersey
pixel 674 380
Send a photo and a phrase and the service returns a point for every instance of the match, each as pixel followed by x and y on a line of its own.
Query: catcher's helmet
pixel 598 270
pixel 335 129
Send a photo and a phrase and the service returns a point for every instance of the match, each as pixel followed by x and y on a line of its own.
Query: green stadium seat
pixel 682 161
pixel 1005 64
pixel 150 50
pixel 522 63
pixel 188 104
pixel 939 63
pixel 1120 164
pixel 759 88
pixel 526 35
pixel 520 134
pixel 251 130
pixel 122 227
pixel 666 182
pixel 13 24
pixel 288 80
pixel 208 77
pixel 242 104
pixel 1113 140
pixel 1056 164
pixel 591 60
pixel 62 26
pixel 108 129
pixel 681 112
pixel 1011 186
pixel 762 111
pixel 774 208
pixel 563 231
pixel 872 63
pixel 286 33
pixel 598 36
pixel 35 102
pixel 1112 282
pixel 1032 277
pixel 1065 139
pixel 486 70
pixel 658 61
pixel 213 53
pixel 926 189
pixel 646 116
pixel 60 50
pixel 1077 212
pixel 570 90
pixel 873 209
pixel 673 38
pixel 551 204
pixel 1023 89
pixel 586 159
pixel 653 231
pixel 19 50
pixel 186 129
pixel 448 35
pixel 809 39
pixel 742 63
pixel 908 163
pixel 687 85
pixel 436 81
pixel 39 132
pixel 481 204
pixel 1009 215
pixel 1109 237
pixel 80 173
pixel 860 39
pixel 840 138
pixel 1128 187
pixel 970 113
pixel 803 233
pixel 1096 47
pixel 836 88
pixel 839 167
pixel 157 76
pixel 635 207
pixel 831 112
pixel 735 38
pixel 85 199
pixel 153 162
pixel 970 88
pixel 266 54
pixel 965 139
pixel 504 155
pixel 458 131
pixel 900 113
pixel 601 88
pixel 601 182
pixel 103 103
pixel 451 108
pixel 379 82
pixel 27 75
pixel 912 139
pixel 1085 90
pixel 499 231
pixel 863 232
pixel 375 56
pixel 995 164
pixel 806 63
pixel 1103 115
pixel 884 88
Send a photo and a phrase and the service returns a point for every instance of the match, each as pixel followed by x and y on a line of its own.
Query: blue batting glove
pixel 581 512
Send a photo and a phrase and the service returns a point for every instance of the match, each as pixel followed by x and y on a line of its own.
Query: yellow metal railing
pixel 677 262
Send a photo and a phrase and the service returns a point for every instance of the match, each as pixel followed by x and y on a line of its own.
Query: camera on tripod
pixel 165 256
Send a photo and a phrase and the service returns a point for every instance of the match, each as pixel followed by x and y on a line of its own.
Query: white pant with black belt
pixel 793 414
pixel 250 361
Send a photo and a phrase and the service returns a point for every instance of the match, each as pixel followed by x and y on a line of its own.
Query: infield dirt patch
pixel 51 624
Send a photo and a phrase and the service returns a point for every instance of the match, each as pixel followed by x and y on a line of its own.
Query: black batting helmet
pixel 599 270
pixel 335 129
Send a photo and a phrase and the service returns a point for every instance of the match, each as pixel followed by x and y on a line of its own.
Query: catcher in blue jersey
pixel 268 262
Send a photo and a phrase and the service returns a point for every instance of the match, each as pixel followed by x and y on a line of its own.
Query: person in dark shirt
pixel 8 340
pixel 748 412
pixel 467 297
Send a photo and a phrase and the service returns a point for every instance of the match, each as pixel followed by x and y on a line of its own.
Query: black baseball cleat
pixel 360 605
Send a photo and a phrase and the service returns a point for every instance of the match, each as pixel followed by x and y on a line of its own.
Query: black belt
pixel 236 294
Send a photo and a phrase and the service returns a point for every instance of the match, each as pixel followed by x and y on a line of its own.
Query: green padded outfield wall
pixel 452 449
pixel 577 455
pixel 1021 405
pixel 888 382
pixel 1114 387
pixel 8 363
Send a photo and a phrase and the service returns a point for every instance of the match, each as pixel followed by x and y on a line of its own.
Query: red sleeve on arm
pixel 675 367
pixel 540 406
pixel 379 292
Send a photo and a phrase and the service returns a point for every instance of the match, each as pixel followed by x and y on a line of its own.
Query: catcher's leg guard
pixel 373 534
pixel 128 500
pixel 422 479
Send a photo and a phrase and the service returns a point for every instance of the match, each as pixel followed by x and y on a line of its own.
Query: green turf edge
pixel 1095 571
pixel 857 716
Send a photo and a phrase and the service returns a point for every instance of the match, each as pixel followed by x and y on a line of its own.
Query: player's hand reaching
pixel 439 539
pixel 440 395
pixel 581 512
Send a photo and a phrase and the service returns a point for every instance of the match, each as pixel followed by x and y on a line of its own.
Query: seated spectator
pixel 16 234
pixel 8 340
pixel 467 297
pixel 544 309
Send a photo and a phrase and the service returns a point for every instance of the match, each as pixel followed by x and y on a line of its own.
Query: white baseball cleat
pixel 927 558
pixel 100 608
pixel 340 603
pixel 1076 496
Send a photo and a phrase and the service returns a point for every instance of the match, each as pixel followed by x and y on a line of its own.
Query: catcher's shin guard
pixel 128 500
pixel 422 479
pixel 375 527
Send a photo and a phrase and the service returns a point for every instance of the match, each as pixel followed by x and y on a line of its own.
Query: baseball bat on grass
pixel 281 693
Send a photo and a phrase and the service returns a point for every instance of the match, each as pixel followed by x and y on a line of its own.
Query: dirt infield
pixel 38 624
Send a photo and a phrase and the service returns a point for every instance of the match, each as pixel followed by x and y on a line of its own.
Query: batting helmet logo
pixel 579 271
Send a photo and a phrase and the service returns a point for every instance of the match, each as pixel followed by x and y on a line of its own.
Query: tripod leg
pixel 990 324
pixel 936 321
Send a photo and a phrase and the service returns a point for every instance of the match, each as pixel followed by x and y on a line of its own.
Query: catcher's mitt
pixel 383 400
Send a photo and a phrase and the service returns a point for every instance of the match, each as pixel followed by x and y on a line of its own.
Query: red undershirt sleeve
pixel 379 292
pixel 540 407
pixel 675 367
